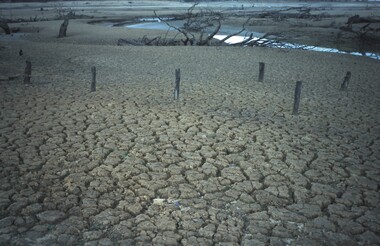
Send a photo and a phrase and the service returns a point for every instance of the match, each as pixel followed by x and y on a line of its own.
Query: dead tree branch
pixel 196 25
pixel 188 40
pixel 211 36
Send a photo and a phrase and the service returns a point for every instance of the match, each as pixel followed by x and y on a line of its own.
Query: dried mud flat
pixel 227 164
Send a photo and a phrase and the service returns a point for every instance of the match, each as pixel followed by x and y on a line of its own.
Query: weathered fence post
pixel 28 72
pixel 93 83
pixel 261 71
pixel 297 97
pixel 346 80
pixel 176 86
pixel 63 28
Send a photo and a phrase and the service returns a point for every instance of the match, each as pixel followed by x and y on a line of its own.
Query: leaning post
pixel 346 80
pixel 297 98
pixel 28 72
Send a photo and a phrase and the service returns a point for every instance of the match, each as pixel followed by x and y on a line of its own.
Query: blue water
pixel 284 45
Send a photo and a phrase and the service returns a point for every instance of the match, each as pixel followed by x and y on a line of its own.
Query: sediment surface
pixel 227 164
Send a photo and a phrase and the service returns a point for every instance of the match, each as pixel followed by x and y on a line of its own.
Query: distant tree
pixel 64 25
pixel 5 27
pixel 201 26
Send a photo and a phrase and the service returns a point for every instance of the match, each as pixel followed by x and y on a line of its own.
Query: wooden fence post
pixel 28 72
pixel 346 80
pixel 176 86
pixel 93 83
pixel 297 98
pixel 63 28
pixel 261 71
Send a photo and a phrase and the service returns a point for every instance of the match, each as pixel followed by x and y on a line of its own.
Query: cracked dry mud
pixel 227 164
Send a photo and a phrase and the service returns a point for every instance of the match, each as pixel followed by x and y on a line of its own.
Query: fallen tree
pixel 364 32
pixel 356 19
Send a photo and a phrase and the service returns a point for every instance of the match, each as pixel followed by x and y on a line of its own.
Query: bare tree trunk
pixel 5 27
pixel 63 29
